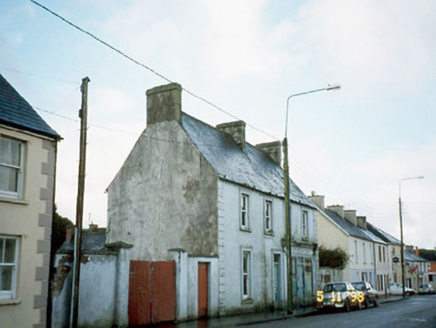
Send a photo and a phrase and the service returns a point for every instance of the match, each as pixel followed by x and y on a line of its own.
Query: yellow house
pixel 27 182
pixel 340 228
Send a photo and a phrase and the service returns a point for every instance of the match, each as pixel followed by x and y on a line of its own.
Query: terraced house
pixel 27 172
pixel 205 199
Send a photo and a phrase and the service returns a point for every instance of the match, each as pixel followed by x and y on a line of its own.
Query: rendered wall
pixel 30 219
pixel 164 197
pixel 104 292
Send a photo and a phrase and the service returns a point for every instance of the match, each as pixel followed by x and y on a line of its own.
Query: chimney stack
pixel 338 209
pixel 235 129
pixel 318 200
pixel 350 216
pixel 273 150
pixel 361 222
pixel 164 103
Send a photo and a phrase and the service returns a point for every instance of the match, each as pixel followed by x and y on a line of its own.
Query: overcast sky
pixel 247 57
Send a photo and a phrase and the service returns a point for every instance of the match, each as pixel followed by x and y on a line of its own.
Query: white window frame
pixel 305 224
pixel 268 216
pixel 245 213
pixel 246 273
pixel 9 294
pixel 364 253
pixel 14 194
pixel 356 253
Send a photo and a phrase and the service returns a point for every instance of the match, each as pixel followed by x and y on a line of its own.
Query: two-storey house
pixel 27 183
pixel 214 203
pixel 340 228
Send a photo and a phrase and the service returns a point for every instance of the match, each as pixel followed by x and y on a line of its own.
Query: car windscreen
pixel 335 288
pixel 358 285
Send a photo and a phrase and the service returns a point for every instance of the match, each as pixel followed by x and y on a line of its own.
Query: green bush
pixel 333 258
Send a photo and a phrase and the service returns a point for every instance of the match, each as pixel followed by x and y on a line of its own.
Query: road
pixel 417 311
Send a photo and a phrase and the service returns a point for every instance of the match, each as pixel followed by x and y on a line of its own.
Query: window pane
pixel 10 152
pixel 2 241
pixel 5 278
pixel 8 179
pixel 10 251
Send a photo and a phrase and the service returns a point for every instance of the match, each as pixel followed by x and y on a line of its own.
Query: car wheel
pixel 366 303
pixel 347 306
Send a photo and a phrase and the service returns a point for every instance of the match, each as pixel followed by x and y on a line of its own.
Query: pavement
pixel 257 318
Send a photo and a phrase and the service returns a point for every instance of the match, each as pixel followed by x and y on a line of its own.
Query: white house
pixel 207 199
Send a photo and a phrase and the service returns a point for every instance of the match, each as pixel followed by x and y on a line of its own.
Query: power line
pixel 37 75
pixel 146 67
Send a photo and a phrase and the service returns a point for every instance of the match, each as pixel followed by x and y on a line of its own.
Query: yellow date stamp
pixel 336 296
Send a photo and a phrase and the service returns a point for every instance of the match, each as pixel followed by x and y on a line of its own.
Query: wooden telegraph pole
pixel 83 114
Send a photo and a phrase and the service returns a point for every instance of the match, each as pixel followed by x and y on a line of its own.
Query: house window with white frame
pixel 244 212
pixel 8 267
pixel 246 274
pixel 355 251
pixel 268 217
pixel 305 224
pixel 11 167
pixel 364 253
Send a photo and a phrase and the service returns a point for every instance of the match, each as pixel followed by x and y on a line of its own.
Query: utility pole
pixel 288 226
pixel 403 269
pixel 83 114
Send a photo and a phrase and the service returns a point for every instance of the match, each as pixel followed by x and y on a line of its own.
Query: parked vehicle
pixel 426 289
pixel 397 289
pixel 338 295
pixel 370 294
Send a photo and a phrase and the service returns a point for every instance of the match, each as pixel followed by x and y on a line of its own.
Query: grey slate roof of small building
pixel 410 256
pixel 246 165
pixel 16 112
pixel 382 234
pixel 92 240
pixel 350 228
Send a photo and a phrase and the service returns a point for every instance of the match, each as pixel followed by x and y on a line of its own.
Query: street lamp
pixel 287 205
pixel 403 270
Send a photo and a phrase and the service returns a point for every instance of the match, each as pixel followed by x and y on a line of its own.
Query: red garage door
pixel 152 292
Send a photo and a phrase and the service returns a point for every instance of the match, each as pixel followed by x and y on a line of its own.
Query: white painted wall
pixel 232 241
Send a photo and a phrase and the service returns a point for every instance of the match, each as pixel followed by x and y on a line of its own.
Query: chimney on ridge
pixel 338 209
pixel 361 222
pixel 273 150
pixel 318 200
pixel 350 216
pixel 235 129
pixel 164 103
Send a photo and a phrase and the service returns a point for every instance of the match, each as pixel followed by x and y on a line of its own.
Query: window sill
pixel 269 233
pixel 247 301
pixel 244 229
pixel 13 301
pixel 13 201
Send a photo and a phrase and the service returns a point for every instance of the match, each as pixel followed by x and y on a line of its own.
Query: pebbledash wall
pixel 29 219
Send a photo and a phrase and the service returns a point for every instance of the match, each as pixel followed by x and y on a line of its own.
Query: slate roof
pixel 382 234
pixel 350 228
pixel 411 256
pixel 246 166
pixel 92 240
pixel 16 112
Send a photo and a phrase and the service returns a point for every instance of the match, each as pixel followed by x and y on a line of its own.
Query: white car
pixel 426 289
pixel 397 289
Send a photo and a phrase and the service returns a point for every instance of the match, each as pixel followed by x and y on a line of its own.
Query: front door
pixel 277 283
pixel 203 289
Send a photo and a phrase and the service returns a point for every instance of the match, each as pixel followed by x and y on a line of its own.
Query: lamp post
pixel 287 205
pixel 403 269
